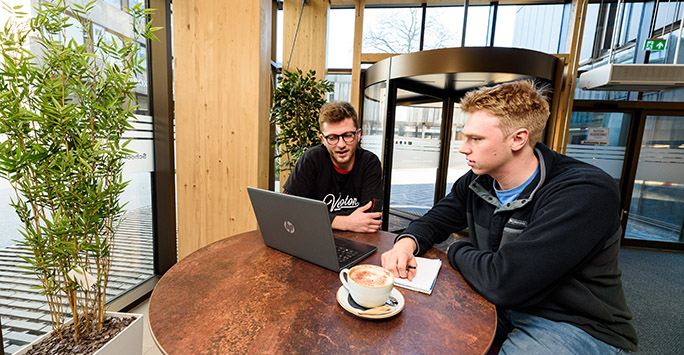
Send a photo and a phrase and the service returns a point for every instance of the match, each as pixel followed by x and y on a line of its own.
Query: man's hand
pixel 398 259
pixel 359 220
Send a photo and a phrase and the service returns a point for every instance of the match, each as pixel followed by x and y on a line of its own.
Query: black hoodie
pixel 552 252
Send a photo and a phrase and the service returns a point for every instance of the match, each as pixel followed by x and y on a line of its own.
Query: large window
pixel 536 27
pixel 600 139
pixel 279 38
pixel 340 40
pixel 625 29
pixel 391 30
pixel 416 154
pixel 478 26
pixel 341 87
pixel 656 210
pixel 443 27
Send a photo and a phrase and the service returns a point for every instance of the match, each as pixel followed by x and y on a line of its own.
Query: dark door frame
pixel 431 94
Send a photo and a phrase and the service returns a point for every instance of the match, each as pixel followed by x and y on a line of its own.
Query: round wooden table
pixel 239 296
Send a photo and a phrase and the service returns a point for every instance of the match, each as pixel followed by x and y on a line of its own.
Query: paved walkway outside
pixel 25 313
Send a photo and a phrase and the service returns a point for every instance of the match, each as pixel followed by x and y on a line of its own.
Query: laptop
pixel 301 227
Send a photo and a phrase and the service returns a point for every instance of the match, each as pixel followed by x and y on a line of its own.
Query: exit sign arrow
pixel 655 44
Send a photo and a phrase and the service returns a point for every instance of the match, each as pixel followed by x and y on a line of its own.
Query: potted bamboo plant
pixel 297 102
pixel 64 105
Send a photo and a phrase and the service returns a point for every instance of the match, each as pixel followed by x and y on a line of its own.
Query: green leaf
pixel 63 118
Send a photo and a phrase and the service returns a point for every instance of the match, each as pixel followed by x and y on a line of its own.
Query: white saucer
pixel 343 300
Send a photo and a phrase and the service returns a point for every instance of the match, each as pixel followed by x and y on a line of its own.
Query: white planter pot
pixel 128 341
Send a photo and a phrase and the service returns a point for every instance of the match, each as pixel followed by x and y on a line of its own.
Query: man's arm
pixel 366 218
pixel 400 260
pixel 570 224
pixel 447 216
pixel 361 220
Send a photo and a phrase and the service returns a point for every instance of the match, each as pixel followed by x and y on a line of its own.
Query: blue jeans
pixel 528 334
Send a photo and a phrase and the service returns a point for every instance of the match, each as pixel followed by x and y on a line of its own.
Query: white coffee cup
pixel 369 285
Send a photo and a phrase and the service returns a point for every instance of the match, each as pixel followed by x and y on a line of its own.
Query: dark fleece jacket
pixel 552 252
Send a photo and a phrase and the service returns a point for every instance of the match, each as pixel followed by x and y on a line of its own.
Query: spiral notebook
pixel 426 275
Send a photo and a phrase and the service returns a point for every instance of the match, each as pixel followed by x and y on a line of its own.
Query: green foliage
pixel 296 104
pixel 62 115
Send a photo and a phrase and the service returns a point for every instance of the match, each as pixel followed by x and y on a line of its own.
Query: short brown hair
pixel 519 104
pixel 337 111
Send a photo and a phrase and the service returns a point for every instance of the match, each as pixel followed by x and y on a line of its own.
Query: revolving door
pixel 411 118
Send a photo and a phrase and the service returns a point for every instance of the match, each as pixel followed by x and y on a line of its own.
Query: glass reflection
pixel 416 158
pixel 600 139
pixel 536 27
pixel 341 87
pixel 457 162
pixel 373 124
pixel 657 207
pixel 443 27
pixel 391 30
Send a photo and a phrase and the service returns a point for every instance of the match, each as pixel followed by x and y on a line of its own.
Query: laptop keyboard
pixel 344 254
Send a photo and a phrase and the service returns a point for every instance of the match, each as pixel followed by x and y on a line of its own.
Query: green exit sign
pixel 657 44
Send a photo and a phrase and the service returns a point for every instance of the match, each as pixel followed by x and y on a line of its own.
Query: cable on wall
pixel 294 40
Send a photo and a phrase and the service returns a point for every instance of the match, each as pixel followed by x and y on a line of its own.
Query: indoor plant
pixel 297 100
pixel 62 115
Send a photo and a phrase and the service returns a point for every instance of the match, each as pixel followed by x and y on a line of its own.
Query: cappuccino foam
pixel 371 277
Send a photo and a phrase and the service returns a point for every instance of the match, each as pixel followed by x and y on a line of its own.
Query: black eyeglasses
pixel 348 137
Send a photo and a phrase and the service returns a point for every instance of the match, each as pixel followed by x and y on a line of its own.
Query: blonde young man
pixel 340 173
pixel 544 232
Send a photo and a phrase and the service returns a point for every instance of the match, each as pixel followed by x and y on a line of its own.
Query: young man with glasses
pixel 338 172
pixel 544 232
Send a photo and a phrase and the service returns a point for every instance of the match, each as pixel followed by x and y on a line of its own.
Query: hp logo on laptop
pixel 289 227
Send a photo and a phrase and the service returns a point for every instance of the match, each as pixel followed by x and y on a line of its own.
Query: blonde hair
pixel 337 111
pixel 519 104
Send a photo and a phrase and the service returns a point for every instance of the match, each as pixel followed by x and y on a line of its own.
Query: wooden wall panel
pixel 359 7
pixel 310 46
pixel 222 99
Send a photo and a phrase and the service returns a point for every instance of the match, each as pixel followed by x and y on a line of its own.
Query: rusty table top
pixel 239 296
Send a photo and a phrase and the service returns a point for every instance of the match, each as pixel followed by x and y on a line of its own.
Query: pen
pixel 410 267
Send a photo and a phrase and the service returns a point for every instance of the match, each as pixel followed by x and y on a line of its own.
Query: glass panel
pixel 279 38
pixel 74 32
pixel 443 27
pixel 457 163
pixel 587 47
pixel 23 310
pixel 342 87
pixel 477 26
pixel 668 13
pixel 340 40
pixel 676 95
pixel 657 207
pixel 632 22
pixel 115 3
pixel 416 157
pixel 373 124
pixel 600 139
pixel 536 27
pixel 668 55
pixel 391 30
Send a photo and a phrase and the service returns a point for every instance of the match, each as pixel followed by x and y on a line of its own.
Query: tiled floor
pixel 149 347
